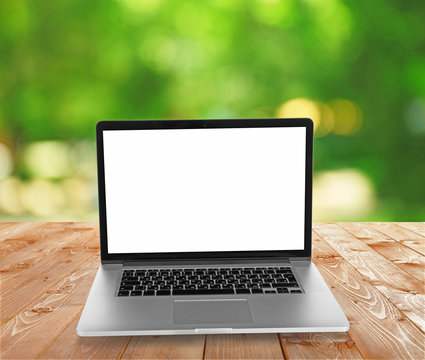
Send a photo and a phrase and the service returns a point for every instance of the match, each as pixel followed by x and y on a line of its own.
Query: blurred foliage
pixel 65 65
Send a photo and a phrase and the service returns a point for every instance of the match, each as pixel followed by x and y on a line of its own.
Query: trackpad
pixel 211 311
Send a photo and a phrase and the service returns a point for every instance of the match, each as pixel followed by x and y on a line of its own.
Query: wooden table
pixel 375 271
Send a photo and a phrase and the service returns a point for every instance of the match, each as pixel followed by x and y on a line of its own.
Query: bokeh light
pixel 6 161
pixel 298 108
pixel 342 194
pixel 348 117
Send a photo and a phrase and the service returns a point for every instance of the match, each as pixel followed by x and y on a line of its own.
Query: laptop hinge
pixel 208 261
pixel 300 259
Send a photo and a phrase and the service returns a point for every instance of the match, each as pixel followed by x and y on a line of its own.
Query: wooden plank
pixel 376 269
pixel 38 244
pixel 9 230
pixel 165 347
pixel 243 346
pixel 20 291
pixel 377 327
pixel 362 231
pixel 406 237
pixel 68 345
pixel 403 257
pixel 416 227
pixel 320 346
pixel 34 328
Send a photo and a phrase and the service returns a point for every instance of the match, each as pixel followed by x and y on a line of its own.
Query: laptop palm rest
pixel 211 311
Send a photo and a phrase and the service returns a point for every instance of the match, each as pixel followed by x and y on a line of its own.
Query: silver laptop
pixel 205 227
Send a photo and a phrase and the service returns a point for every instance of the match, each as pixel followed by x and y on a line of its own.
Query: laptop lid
pixel 204 189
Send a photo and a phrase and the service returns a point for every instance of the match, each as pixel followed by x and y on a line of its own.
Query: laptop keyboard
pixel 208 281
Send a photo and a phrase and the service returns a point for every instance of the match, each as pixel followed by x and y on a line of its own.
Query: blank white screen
pixel 184 190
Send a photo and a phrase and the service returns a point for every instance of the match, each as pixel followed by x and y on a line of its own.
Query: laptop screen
pixel 202 190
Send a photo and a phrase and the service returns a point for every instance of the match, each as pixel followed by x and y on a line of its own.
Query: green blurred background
pixel 357 68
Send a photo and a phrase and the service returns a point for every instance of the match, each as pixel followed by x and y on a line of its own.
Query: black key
pixel 267 291
pixel 284 284
pixel 256 291
pixel 243 291
pixel 215 287
pixel 126 287
pixel 257 272
pixel 152 287
pixel 204 292
pixel 130 283
pixel 227 286
pixel 148 293
pixel 296 291
pixel 282 290
pixel 178 286
pixel 123 293
pixel 240 286
pixel 130 278
pixel 266 285
pixel 202 286
pixel 190 287
pixel 283 271
pixel 146 282
pixel 136 293
pixel 163 292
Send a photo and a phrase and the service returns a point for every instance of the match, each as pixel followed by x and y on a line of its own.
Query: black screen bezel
pixel 202 124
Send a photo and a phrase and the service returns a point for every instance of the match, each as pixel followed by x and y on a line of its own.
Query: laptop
pixel 205 227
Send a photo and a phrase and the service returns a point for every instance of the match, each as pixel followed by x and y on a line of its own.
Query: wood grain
pixel 402 256
pixel 10 229
pixel 32 282
pixel 416 227
pixel 378 328
pixel 320 346
pixel 24 251
pixel 379 271
pixel 245 346
pixel 414 240
pixel 165 347
pixel 33 328
pixel 68 345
